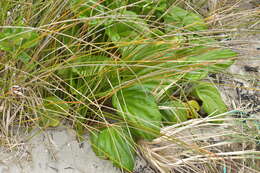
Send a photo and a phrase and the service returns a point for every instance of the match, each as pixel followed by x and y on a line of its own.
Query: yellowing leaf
pixel 193 108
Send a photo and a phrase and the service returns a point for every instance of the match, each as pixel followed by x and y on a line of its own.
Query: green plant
pixel 115 144
pixel 116 68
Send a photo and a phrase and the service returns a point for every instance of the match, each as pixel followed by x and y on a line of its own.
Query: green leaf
pixel 84 66
pixel 30 40
pixel 212 102
pixel 83 73
pixel 146 7
pixel 177 17
pixel 112 4
pixel 24 57
pixel 15 38
pixel 125 34
pixel 196 75
pixel 174 111
pixel 87 9
pixel 211 61
pixel 89 65
pixel 115 144
pixel 139 109
pixel 146 51
pixel 54 108
pixel 130 29
pixel 213 56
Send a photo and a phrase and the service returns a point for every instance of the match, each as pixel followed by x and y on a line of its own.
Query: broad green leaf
pixel 54 108
pixel 150 85
pixel 177 17
pixel 174 111
pixel 139 109
pixel 212 102
pixel 95 10
pixel 30 40
pixel 115 144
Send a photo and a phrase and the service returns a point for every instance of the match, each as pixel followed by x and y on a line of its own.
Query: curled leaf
pixel 212 102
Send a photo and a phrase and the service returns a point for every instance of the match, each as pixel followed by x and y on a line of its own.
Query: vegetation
pixel 121 70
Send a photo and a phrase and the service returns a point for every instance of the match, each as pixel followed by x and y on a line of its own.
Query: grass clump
pixel 118 69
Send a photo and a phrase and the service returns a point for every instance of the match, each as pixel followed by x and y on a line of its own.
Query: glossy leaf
pixel 115 144
pixel 196 75
pixel 212 102
pixel 138 108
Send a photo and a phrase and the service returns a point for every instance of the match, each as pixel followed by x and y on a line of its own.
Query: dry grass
pixel 202 146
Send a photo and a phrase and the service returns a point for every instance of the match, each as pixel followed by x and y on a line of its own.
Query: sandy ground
pixel 54 151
